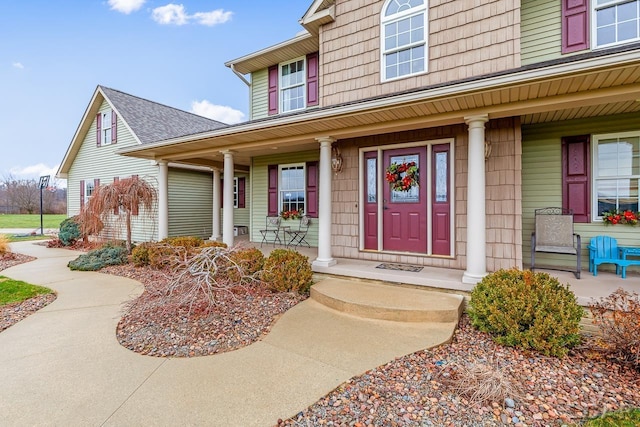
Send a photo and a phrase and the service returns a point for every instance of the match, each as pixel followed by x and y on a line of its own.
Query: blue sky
pixel 53 54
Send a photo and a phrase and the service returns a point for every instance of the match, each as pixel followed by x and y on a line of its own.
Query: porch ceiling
pixel 610 89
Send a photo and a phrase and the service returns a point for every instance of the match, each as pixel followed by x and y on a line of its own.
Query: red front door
pixel 405 200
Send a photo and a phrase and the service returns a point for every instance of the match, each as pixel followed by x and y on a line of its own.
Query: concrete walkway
pixel 64 367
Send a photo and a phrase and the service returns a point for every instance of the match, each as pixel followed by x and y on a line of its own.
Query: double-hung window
pixel 292 85
pixel 404 38
pixel 616 172
pixel 292 187
pixel 89 187
pixel 615 21
pixel 106 128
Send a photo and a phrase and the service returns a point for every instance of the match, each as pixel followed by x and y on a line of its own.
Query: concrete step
pixel 387 302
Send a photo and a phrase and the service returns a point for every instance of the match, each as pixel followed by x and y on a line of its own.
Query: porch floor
pixel 587 288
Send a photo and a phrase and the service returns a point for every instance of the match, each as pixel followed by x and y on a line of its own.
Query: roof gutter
pixel 237 73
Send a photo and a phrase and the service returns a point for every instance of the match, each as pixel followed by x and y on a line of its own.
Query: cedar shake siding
pixel 465 39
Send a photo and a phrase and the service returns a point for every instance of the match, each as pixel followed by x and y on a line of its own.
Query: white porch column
pixel 215 229
pixel 476 219
pixel 324 258
pixel 227 199
pixel 163 199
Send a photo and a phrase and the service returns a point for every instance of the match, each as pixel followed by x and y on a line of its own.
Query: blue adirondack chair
pixel 604 250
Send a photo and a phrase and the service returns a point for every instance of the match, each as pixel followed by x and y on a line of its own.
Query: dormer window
pixel 404 38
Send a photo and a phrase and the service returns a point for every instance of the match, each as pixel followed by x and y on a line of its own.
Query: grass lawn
pixel 16 291
pixel 30 221
pixel 630 418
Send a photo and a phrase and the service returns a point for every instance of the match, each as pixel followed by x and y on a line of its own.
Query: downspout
pixel 248 83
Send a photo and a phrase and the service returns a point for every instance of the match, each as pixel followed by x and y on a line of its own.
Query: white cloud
pixel 212 18
pixel 170 14
pixel 175 14
pixel 36 171
pixel 126 6
pixel 221 113
pixel 18 65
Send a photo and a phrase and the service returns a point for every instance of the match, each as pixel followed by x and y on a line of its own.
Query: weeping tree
pixel 121 199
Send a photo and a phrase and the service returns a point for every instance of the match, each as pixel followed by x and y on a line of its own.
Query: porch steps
pixel 387 302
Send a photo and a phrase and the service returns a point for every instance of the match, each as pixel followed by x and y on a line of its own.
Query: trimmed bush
pixel 618 318
pixel 527 310
pixel 99 258
pixel 186 242
pixel 213 244
pixel 140 254
pixel 69 231
pixel 249 262
pixel 287 270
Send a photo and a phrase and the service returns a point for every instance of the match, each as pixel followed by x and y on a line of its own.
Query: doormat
pixel 400 267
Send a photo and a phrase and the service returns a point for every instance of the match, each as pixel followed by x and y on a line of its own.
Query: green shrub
pixel 140 254
pixel 618 318
pixel 527 310
pixel 249 262
pixel 287 270
pixel 69 231
pixel 99 258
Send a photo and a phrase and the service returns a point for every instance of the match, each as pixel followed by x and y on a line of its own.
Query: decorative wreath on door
pixel 402 176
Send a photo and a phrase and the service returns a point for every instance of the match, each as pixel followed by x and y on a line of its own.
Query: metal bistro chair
pixel 554 234
pixel 297 237
pixel 271 232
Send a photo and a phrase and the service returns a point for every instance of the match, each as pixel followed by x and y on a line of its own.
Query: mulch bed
pixel 416 390
pixel 11 314
pixel 152 325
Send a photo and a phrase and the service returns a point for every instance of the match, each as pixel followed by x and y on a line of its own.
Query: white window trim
pixel 236 192
pixel 103 140
pixel 424 9
pixel 593 23
pixel 594 168
pixel 281 87
pixel 87 196
pixel 280 180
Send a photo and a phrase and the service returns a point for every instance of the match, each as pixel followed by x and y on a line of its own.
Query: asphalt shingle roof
pixel 153 122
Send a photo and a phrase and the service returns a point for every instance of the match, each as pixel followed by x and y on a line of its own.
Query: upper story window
pixel 616 172
pixel 615 21
pixel 404 38
pixel 106 128
pixel 292 85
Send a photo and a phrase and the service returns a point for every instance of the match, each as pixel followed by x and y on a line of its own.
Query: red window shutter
pixel 272 186
pixel 312 189
pixel 312 79
pixel 98 129
pixel 273 90
pixel 575 25
pixel 241 192
pixel 576 194
pixel 134 208
pixel 114 127
pixel 81 193
pixel 96 183
pixel 116 210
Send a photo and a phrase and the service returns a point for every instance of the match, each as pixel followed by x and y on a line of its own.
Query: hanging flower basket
pixel 402 176
pixel 620 217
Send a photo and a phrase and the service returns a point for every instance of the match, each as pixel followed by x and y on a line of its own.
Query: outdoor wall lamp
pixel 487 149
pixel 336 159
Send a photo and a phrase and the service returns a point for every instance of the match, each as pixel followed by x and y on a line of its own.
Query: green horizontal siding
pixel 102 163
pixel 259 193
pixel 241 216
pixel 542 180
pixel 540 32
pixel 259 94
pixel 190 202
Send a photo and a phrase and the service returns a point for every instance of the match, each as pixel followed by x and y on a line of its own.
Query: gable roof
pixel 151 122
pixel 148 121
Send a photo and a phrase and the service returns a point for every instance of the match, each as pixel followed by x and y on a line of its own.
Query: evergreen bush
pixel 70 231
pixel 99 258
pixel 286 270
pixel 527 310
